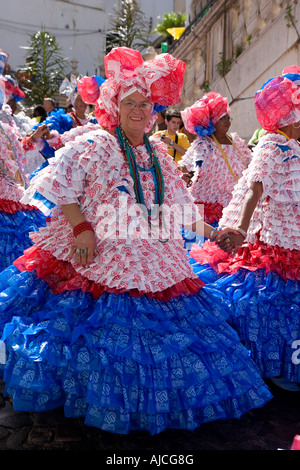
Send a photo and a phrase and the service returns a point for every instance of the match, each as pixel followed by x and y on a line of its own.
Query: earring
pixel 296 127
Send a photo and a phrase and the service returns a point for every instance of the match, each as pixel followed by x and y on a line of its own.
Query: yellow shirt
pixel 183 141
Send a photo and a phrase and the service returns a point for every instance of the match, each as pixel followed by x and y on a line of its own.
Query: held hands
pixel 229 239
pixel 41 132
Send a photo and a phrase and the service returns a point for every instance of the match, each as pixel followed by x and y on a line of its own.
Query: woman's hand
pixel 229 239
pixel 40 132
pixel 84 248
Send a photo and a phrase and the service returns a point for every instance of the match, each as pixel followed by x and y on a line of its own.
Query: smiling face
pixel 135 113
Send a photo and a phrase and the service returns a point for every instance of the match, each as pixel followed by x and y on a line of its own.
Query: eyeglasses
pixel 144 105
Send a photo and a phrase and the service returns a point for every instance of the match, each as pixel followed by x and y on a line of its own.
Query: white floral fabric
pixel 91 170
pixel 276 163
pixel 11 157
pixel 212 181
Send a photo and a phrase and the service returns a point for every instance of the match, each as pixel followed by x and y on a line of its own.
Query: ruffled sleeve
pixel 276 165
pixel 243 147
pixel 200 148
pixel 276 217
pixel 63 180
pixel 10 164
pixel 59 140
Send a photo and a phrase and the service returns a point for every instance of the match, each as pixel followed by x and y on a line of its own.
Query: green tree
pixel 44 69
pixel 128 27
pixel 170 20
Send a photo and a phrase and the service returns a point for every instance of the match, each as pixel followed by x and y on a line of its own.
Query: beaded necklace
pixel 225 156
pixel 134 172
pixel 19 179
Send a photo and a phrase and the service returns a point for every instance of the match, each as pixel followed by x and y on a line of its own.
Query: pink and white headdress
pixel 277 103
pixel 159 79
pixel 202 116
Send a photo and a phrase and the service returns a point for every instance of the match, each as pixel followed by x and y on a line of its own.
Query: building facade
pixel 80 27
pixel 233 47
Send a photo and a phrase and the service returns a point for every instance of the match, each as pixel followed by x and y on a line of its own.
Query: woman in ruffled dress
pixel 262 277
pixel 216 157
pixel 60 122
pixel 16 219
pixel 120 330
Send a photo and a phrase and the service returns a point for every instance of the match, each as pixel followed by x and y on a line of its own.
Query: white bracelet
pixel 242 232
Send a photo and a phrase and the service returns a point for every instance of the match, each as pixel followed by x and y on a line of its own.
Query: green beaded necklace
pixel 134 172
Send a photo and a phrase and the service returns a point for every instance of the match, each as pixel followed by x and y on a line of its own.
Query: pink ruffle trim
pixel 11 207
pixel 61 276
pixel 252 257
pixel 212 211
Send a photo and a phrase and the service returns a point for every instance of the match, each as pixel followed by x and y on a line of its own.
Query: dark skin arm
pixel 252 197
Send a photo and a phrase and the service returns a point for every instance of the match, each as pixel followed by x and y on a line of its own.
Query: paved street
pixel 268 428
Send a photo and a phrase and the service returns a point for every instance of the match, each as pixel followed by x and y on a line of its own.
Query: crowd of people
pixel 103 309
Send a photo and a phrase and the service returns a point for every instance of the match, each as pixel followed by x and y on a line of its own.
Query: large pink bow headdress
pixel 277 103
pixel 202 116
pixel 159 79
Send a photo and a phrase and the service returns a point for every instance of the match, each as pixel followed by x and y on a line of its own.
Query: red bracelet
pixel 28 144
pixel 82 227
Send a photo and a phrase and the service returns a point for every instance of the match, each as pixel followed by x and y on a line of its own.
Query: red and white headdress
pixel 202 116
pixel 277 103
pixel 159 79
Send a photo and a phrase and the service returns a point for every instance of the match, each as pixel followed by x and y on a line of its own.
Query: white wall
pixel 74 23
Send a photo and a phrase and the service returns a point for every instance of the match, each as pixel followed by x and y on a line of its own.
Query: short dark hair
pixel 170 113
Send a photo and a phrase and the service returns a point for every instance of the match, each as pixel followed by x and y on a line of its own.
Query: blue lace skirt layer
pixel 124 363
pixel 266 315
pixel 14 233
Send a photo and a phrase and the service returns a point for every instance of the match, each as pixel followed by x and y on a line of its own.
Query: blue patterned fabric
pixel 121 362
pixel 190 237
pixel 14 229
pixel 265 314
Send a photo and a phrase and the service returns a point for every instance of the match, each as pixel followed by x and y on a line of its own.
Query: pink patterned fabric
pixel 92 172
pixel 276 217
pixel 210 108
pixel 11 161
pixel 159 79
pixel 58 140
pixel 89 89
pixel 10 89
pixel 277 104
pixel 291 69
pixel 212 182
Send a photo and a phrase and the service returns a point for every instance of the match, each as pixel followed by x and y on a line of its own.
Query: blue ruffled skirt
pixel 121 362
pixel 265 312
pixel 14 233
pixel 190 238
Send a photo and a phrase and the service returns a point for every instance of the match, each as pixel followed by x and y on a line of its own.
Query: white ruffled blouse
pixel 11 155
pixel 276 163
pixel 91 170
pixel 212 181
